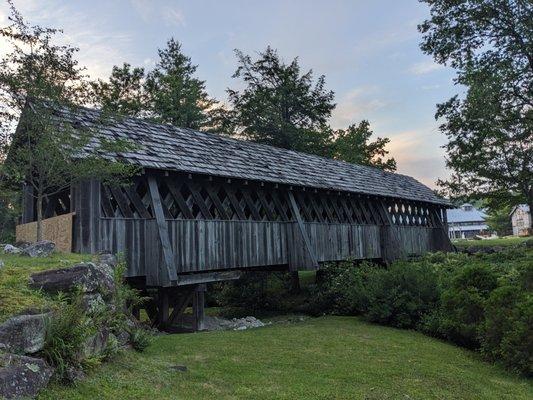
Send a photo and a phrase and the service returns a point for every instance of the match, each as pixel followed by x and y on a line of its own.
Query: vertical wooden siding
pixel 201 245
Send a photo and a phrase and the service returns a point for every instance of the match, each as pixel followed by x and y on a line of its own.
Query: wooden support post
pixel 167 274
pixel 198 304
pixel 162 314
pixel 87 222
pixel 305 237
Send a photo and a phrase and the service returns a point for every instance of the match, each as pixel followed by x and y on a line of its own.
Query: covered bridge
pixel 206 206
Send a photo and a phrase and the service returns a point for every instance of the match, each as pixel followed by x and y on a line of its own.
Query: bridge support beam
pixel 167 309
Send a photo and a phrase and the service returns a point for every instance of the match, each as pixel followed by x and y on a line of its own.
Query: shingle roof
pixel 178 149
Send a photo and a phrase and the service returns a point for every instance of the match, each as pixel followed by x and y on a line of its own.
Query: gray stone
pixel 236 324
pixel 39 249
pixel 107 258
pixel 92 302
pixel 87 277
pixel 180 368
pixel 22 377
pixel 123 338
pixel 96 344
pixel 24 333
pixel 10 249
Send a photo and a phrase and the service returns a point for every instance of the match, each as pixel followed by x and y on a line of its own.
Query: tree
pixel 279 105
pixel 352 145
pixel 123 94
pixel 499 221
pixel 490 44
pixel 36 76
pixel 175 96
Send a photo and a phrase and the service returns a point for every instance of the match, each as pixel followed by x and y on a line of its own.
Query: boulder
pixel 96 344
pixel 92 302
pixel 22 377
pixel 24 333
pixel 42 248
pixel 10 249
pixel 88 277
pixel 108 258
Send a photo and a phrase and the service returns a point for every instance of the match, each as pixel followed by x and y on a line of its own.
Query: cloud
pixel 417 156
pixel 356 105
pixel 425 67
pixel 99 49
pixel 149 11
pixel 174 17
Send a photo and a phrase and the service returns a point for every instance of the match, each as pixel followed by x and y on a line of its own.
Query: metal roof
pixel 167 147
pixel 465 214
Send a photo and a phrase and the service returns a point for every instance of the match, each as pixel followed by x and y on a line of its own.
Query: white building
pixel 466 222
pixel 521 220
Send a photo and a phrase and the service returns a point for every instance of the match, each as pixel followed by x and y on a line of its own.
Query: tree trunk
pixel 530 204
pixel 39 216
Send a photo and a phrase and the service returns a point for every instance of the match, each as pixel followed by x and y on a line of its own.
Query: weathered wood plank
pixel 168 272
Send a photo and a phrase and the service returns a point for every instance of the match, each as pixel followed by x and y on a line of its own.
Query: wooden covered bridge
pixel 206 206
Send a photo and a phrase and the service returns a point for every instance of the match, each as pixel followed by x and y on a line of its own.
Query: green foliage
pixel 15 294
pixel 490 44
pixel 253 292
pixel 352 145
pixel 40 153
pixel 66 335
pixel 175 96
pixel 280 105
pixel 320 358
pixel 398 296
pixel 481 301
pixel 123 94
pixel 140 339
pixel 9 207
pixel 401 295
pixel 499 221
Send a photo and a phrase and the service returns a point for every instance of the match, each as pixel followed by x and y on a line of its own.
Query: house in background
pixel 521 220
pixel 466 222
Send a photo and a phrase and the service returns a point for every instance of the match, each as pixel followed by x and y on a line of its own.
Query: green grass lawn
pixel 15 295
pixel 323 358
pixel 504 241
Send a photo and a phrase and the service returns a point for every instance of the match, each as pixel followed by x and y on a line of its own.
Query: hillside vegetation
pixel 15 294
pixel 321 358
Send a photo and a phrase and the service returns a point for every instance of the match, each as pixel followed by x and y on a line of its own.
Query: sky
pixel 367 49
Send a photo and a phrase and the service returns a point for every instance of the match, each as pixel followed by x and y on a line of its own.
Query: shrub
pixel 253 292
pixel 401 295
pixel 341 289
pixel 67 332
pixel 516 347
pixel 140 339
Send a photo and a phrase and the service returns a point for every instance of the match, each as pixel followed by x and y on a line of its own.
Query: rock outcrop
pixel 42 248
pixel 87 277
pixel 22 376
pixel 24 333
pixel 10 249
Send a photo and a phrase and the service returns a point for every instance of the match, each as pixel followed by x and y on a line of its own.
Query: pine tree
pixel 175 95
pixel 123 94
pixel 353 145
pixel 279 105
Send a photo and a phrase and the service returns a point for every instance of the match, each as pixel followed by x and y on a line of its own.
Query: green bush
pixel 253 292
pixel 481 301
pixel 401 295
pixel 67 332
pixel 140 339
